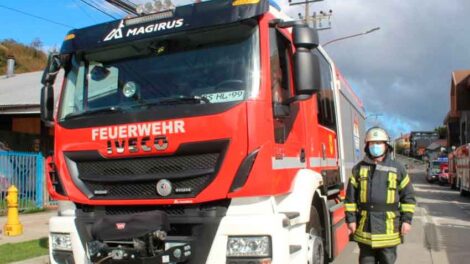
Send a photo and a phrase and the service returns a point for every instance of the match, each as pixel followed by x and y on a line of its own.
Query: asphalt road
pixel 441 226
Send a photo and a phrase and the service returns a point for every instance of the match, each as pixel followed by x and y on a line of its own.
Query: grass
pixel 28 58
pixel 24 250
pixel 29 204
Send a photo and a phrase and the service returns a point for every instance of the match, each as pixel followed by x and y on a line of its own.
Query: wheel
pixel 428 179
pixel 316 249
pixel 463 192
pixel 453 185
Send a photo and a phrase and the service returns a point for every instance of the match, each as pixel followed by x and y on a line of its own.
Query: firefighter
pixel 380 201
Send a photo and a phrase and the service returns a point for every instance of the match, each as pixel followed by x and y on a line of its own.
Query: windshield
pixel 205 67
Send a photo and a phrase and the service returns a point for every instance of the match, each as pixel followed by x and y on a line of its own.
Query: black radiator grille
pixel 146 166
pixel 145 190
pixel 189 170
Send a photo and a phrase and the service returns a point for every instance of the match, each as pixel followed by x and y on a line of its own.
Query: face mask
pixel 376 150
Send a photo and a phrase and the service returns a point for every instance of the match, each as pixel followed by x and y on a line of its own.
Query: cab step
pixel 292 218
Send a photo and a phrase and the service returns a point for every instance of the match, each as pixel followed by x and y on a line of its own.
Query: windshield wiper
pixel 175 100
pixel 95 111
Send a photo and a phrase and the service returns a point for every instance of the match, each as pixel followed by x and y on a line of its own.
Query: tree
pixel 36 43
pixel 442 130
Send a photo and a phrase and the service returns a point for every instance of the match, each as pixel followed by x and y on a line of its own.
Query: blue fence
pixel 25 171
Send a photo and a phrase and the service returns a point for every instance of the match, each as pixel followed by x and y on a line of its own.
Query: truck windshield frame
pixel 210 66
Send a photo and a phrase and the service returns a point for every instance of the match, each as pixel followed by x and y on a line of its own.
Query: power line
pixel 93 6
pixel 35 16
pixel 83 10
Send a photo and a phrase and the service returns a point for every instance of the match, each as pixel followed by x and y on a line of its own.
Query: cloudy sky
pixel 402 71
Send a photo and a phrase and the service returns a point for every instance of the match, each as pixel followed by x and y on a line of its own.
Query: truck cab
pixel 216 132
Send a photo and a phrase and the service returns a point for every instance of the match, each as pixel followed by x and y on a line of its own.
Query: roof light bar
pixel 148 18
pixel 155 6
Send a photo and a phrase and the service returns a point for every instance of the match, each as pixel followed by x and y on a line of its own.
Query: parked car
pixel 434 168
pixel 443 176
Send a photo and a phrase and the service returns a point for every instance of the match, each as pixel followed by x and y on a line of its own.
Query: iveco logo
pixel 145 144
pixel 164 187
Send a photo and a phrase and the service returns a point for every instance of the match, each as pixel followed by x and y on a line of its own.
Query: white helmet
pixel 377 134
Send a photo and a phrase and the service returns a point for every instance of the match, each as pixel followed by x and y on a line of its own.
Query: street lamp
pixel 351 36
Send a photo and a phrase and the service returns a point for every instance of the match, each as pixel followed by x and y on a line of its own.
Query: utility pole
pixel 314 19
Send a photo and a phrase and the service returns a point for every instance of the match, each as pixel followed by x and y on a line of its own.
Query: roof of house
pixel 21 93
pixel 460 75
pixel 457 78
pixel 436 145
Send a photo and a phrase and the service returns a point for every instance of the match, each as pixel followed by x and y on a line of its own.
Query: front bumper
pixel 215 241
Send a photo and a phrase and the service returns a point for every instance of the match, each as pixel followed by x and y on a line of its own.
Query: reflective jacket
pixel 379 198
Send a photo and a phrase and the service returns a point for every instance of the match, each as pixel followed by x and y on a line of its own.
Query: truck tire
pixel 463 192
pixel 453 185
pixel 316 249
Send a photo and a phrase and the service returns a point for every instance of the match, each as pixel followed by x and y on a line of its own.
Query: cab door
pixel 327 129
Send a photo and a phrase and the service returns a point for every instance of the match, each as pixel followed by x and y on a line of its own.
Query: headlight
pixel 61 241
pixel 249 246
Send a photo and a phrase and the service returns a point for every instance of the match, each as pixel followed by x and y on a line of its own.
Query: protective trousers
pixel 368 255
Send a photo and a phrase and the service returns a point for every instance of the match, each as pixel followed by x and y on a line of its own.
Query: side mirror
pixel 47 104
pixel 307 75
pixel 99 73
pixel 52 68
pixel 304 36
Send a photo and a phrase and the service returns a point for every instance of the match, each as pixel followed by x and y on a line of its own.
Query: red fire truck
pixel 452 170
pixel 462 164
pixel 215 132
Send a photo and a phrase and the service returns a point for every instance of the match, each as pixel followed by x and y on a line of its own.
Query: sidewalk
pixel 414 250
pixel 35 226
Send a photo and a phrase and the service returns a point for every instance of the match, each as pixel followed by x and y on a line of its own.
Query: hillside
pixel 28 58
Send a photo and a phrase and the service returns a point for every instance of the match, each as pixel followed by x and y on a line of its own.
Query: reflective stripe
pixel 404 182
pixel 363 180
pixel 287 163
pixel 376 243
pixel 407 208
pixel 392 177
pixel 377 237
pixel 390 225
pixel 360 228
pixel 351 207
pixel 385 168
pixel 320 162
pixel 392 187
pixel 352 180
pixel 386 243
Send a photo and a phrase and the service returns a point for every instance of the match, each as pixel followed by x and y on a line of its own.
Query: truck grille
pixel 189 170
pixel 147 189
pixel 147 166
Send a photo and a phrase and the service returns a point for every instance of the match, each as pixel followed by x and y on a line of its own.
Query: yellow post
pixel 13 227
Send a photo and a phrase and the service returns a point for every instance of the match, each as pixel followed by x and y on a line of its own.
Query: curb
pixel 36 260
pixel 438 256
